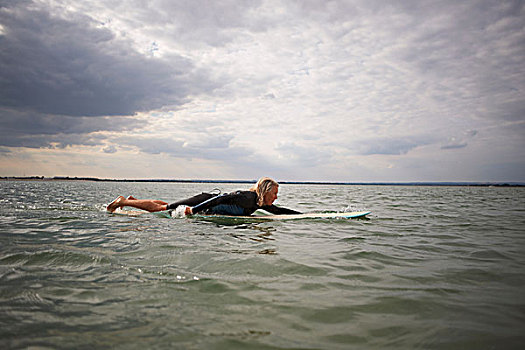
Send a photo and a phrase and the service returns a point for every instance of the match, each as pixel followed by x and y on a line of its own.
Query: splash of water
pixel 179 212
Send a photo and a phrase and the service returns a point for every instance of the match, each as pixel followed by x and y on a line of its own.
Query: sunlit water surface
pixel 432 268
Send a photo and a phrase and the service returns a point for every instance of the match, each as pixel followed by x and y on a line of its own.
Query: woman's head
pixel 266 190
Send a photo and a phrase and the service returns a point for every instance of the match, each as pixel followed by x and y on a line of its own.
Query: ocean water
pixel 432 268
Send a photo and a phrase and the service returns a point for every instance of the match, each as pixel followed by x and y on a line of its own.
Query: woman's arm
pixel 279 210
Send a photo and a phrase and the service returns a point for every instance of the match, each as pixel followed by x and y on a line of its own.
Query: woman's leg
pixel 153 200
pixel 150 205
pixel 153 205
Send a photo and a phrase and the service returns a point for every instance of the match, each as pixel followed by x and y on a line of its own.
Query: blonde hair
pixel 263 186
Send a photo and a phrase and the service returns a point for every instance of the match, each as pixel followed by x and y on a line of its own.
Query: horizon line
pixel 442 183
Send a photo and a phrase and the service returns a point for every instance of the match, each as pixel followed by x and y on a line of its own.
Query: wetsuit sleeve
pixel 279 210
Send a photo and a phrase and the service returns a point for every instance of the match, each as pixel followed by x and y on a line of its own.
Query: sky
pixel 352 91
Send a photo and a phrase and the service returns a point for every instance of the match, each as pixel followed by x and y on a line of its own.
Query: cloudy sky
pixel 297 90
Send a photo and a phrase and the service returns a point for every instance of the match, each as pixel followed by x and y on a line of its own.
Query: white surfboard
pixel 257 217
pixel 349 215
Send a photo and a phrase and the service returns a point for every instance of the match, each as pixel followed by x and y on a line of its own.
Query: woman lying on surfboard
pixel 260 196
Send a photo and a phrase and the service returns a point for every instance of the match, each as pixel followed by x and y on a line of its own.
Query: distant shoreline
pixel 412 183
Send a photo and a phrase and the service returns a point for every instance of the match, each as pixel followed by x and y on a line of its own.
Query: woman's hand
pixel 188 211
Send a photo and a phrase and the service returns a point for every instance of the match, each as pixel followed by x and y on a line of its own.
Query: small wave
pixel 29 298
pixel 52 258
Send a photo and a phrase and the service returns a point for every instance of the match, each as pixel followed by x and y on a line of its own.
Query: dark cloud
pixel 51 141
pixel 32 129
pixel 55 67
pixel 110 149
pixel 33 123
pixel 69 66
pixel 454 146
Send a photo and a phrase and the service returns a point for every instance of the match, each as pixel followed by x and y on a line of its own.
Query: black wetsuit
pixel 235 203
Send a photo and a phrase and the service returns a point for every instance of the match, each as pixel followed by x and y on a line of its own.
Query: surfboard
pixel 257 217
pixel 349 215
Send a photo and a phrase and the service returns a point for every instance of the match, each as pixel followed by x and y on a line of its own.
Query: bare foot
pixel 131 197
pixel 115 204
